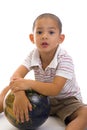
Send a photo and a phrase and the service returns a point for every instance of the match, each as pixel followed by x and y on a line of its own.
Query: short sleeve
pixel 65 67
pixel 27 61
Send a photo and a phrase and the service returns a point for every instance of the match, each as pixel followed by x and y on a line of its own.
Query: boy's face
pixel 46 35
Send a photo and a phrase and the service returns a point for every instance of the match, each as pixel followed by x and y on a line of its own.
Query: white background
pixel 16 19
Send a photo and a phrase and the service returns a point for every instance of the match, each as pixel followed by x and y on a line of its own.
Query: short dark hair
pixel 56 18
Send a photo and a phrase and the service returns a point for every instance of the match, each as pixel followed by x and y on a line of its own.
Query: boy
pixel 54 76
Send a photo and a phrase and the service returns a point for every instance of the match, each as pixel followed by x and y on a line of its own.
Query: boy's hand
pixel 19 84
pixel 21 107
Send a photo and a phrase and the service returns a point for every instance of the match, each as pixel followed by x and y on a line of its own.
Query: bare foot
pixel 2 96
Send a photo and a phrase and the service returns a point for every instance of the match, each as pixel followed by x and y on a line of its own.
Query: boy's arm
pixel 20 98
pixel 19 73
pixel 48 89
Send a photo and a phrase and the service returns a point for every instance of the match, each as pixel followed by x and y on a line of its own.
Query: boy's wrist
pixel 18 93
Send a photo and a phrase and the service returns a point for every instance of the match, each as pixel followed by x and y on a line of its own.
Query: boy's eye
pixel 51 32
pixel 39 32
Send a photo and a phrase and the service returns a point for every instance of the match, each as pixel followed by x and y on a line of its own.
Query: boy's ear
pixel 61 39
pixel 31 37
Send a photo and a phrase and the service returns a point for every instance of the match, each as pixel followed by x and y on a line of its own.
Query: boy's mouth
pixel 44 44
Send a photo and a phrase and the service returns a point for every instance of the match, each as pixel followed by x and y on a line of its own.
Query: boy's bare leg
pixel 2 96
pixel 80 122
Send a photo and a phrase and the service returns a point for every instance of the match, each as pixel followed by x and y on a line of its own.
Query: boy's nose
pixel 44 36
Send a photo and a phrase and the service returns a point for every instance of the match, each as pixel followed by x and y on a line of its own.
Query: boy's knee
pixel 82 112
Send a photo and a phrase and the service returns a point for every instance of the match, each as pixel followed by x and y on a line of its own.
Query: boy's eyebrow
pixel 48 28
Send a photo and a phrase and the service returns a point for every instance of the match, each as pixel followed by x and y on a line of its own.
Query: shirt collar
pixel 54 62
pixel 37 62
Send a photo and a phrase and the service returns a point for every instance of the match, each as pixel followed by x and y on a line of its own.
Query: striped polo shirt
pixel 61 65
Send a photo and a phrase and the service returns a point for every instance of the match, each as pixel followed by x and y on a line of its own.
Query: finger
pixel 26 115
pixel 29 106
pixel 21 116
pixel 15 89
pixel 11 83
pixel 17 115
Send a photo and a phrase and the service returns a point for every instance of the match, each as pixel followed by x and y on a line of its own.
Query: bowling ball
pixel 38 115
